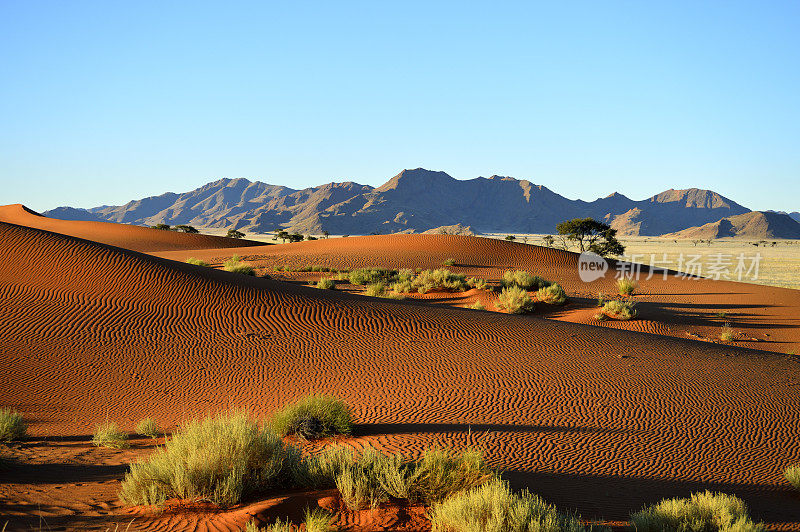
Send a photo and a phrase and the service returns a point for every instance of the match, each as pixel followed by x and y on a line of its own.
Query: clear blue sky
pixel 103 102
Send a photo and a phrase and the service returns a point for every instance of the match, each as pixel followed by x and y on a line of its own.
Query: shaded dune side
pixel 121 235
pixel 107 332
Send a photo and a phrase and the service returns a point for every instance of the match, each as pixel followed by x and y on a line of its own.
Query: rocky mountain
pixel 412 201
pixel 753 225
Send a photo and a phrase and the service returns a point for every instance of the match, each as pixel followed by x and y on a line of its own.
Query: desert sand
pixel 598 419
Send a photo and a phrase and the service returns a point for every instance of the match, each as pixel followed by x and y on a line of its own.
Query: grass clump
pixel 477 282
pixel 726 334
pixel 315 520
pixel 376 289
pixel 492 507
pixel 196 262
pixel 221 459
pixel 441 473
pixel 626 286
pixel 12 426
pixel 326 283
pixel 235 265
pixel 449 262
pixel 108 435
pixel 619 310
pixel 552 294
pixel 364 276
pixel 792 474
pixel 440 278
pixel 523 279
pixel 312 417
pixel 476 306
pixel 148 427
pixel 370 478
pixel 701 512
pixel 515 300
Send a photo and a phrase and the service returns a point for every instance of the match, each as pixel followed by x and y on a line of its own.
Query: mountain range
pixel 415 201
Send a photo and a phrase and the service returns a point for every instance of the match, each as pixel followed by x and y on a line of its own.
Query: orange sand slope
pixel 595 419
pixel 763 317
pixel 121 235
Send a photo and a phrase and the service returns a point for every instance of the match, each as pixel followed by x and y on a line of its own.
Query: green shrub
pixel 441 473
pixel 148 427
pixel 196 262
pixel 626 286
pixel 480 284
pixel 601 299
pixel 440 278
pixel 476 306
pixel 701 512
pixel 405 275
pixel 619 310
pixel 222 459
pixel 108 435
pixel 314 416
pixel 492 507
pixel 401 287
pixel 235 265
pixel 515 300
pixel 360 480
pixel 726 334
pixel 277 526
pixel 552 294
pixel 364 276
pixel 317 520
pixel 792 474
pixel 326 283
pixel 449 262
pixel 523 279
pixel 376 289
pixel 12 426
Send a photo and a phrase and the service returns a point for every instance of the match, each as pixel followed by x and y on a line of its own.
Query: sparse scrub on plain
pixel 196 262
pixel 222 459
pixel 626 286
pixel 12 425
pixel 148 427
pixel 326 283
pixel 312 417
pixel 109 435
pixel 515 300
pixel 235 265
pixel 619 310
pixel 492 507
pixel 552 294
pixel 792 474
pixel 704 511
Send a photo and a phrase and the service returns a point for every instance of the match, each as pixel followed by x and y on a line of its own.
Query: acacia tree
pixel 548 240
pixel 591 235
pixel 185 229
pixel 233 233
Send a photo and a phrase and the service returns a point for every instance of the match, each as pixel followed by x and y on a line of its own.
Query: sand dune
pixel 594 419
pixel 133 237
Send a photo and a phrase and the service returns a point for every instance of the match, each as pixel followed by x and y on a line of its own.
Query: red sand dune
pixel 592 418
pixel 133 237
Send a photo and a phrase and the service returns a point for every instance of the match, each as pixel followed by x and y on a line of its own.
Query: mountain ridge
pixel 414 200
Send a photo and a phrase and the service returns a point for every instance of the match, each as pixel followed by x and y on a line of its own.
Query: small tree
pixel 310 237
pixel 548 240
pixel 591 235
pixel 162 227
pixel 186 229
pixel 295 237
pixel 233 233
pixel 325 234
pixel 283 235
pixel 511 238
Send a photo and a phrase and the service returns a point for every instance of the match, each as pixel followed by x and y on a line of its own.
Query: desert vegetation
pixel 12 425
pixel 196 262
pixel 235 265
pixel 479 283
pixel 552 294
pixel 523 279
pixel 476 306
pixel 704 511
pixel 326 283
pixel 312 417
pixel 492 506
pixel 726 334
pixel 449 262
pixel 108 434
pixel 515 300
pixel 619 310
pixel 148 427
pixel 590 235
pixel 792 474
pixel 626 286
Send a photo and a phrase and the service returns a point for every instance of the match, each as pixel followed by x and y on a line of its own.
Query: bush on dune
pixel 492 507
pixel 480 284
pixel 792 474
pixel 148 427
pixel 515 300
pixel 626 286
pixel 315 520
pixel 108 435
pixel 221 459
pixel 326 283
pixel 701 512
pixel 12 425
pixel 523 279
pixel 196 262
pixel 315 416
pixel 619 310
pixel 552 294
pixel 235 265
